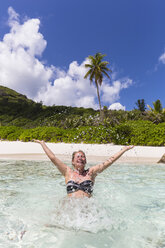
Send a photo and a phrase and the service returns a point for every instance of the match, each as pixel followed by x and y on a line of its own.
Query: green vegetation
pixel 23 119
pixel 133 132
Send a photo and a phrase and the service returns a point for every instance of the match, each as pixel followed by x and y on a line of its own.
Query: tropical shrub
pixel 144 133
pixel 10 133
pixel 147 133
pixel 92 134
pixel 122 134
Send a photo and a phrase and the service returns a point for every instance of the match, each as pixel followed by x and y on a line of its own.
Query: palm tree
pixel 97 70
pixel 157 107
pixel 141 105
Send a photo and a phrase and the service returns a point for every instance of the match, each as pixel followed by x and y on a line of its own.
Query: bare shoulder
pixel 93 171
pixel 69 170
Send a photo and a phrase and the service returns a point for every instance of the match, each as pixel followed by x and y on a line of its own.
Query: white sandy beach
pixel 18 150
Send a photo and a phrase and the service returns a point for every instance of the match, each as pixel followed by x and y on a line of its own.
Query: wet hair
pixel 74 153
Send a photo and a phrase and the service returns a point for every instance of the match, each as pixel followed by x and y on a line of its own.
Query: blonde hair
pixel 74 153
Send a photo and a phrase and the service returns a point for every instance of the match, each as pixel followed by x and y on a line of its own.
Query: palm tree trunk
pixel 98 95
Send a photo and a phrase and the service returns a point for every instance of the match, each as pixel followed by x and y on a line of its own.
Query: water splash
pixel 81 214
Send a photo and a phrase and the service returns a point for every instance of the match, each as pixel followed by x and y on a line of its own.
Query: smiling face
pixel 79 160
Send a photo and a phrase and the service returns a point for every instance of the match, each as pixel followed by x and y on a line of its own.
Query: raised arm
pixel 101 167
pixel 59 164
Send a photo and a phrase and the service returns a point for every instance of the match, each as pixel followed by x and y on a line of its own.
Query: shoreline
pixel 17 150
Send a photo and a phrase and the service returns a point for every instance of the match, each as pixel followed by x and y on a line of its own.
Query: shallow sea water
pixel 127 209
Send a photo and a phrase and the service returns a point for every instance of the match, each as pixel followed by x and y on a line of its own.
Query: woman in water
pixel 79 182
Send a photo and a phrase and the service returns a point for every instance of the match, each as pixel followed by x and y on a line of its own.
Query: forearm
pixel 48 152
pixel 101 167
pixel 59 164
pixel 111 160
pixel 117 155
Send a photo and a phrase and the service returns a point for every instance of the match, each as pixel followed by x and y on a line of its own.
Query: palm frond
pixel 100 80
pixel 106 73
pixel 104 63
pixel 88 73
pixel 92 59
pixel 149 107
pixel 88 65
pixel 100 55
pixel 92 76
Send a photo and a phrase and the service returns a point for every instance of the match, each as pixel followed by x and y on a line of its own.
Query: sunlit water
pixel 127 209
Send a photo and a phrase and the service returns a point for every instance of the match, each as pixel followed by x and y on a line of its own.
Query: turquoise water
pixel 127 209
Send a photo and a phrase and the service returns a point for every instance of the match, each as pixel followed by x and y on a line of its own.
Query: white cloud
pixel 111 93
pixel 26 36
pixel 116 106
pixel 70 89
pixel 162 58
pixel 21 69
pixel 13 17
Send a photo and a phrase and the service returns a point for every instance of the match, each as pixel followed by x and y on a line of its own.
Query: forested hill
pixel 15 104
pixel 6 93
pixel 16 109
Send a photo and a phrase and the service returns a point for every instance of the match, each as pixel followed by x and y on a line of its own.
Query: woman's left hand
pixel 126 148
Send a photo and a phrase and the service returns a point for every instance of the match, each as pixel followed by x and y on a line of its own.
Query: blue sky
pixel 44 46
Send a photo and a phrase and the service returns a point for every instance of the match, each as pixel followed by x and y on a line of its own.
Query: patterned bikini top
pixel 86 186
